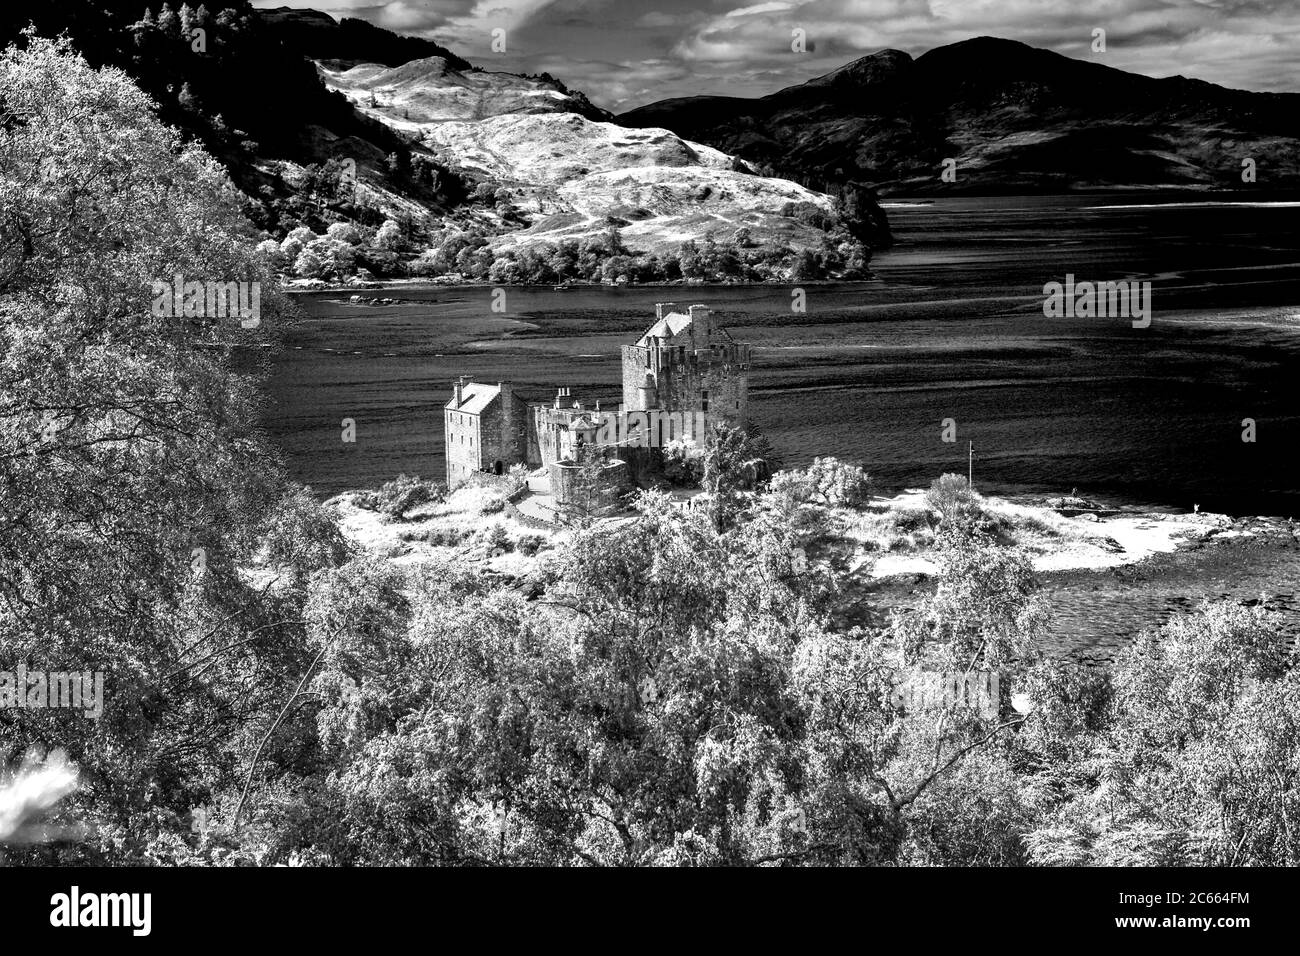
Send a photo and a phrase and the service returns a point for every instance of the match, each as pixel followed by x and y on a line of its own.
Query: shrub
pixel 683 463
pixel 827 481
pixel 530 544
pixel 389 236
pixel 440 537
pixel 496 540
pixel 270 250
pixel 950 495
pixel 395 498
pixel 429 263
pixel 308 265
pixel 344 232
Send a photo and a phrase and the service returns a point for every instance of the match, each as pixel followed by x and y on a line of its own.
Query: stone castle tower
pixel 685 363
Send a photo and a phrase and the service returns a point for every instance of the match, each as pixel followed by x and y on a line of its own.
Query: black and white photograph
pixel 508 439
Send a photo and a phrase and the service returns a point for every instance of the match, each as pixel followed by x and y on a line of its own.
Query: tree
pixel 169 24
pixel 389 237
pixel 133 475
pixel 807 266
pixel 952 498
pixel 688 258
pixel 310 265
pixel 269 249
pixel 1189 753
pixel 734 462
pixel 345 232
pixel 827 481
pixel 984 614
pixel 399 165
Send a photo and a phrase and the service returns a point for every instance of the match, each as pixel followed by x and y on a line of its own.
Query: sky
pixel 626 53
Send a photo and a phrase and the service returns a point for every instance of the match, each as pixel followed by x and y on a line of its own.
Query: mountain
pixel 318 36
pixel 223 75
pixel 435 89
pixel 415 161
pixel 1015 119
pixel 564 173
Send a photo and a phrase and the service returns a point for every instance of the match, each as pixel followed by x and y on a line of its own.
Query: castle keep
pixel 686 363
pixel 681 377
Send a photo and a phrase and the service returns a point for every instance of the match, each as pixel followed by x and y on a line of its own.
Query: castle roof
pixel 671 324
pixel 675 324
pixel 474 398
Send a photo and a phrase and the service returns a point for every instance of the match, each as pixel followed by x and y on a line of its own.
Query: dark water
pixel 952 328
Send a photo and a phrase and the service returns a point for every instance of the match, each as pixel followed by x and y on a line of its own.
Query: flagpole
pixel 970 466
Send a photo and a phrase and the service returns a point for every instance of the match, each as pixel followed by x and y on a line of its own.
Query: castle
pixel 682 376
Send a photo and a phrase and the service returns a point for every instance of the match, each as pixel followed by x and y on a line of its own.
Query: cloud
pixel 625 57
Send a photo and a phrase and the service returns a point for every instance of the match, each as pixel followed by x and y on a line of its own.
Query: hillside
pixel 254 103
pixel 417 163
pixel 318 36
pixel 557 171
pixel 1015 119
pixel 436 89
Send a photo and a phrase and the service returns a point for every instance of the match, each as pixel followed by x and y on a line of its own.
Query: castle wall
pixel 464 446
pixel 682 377
pixel 579 491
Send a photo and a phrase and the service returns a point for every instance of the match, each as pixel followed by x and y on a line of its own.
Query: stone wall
pixel 571 489
pixel 463 446
pixel 685 379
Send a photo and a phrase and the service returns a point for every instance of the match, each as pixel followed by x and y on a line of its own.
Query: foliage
pixel 952 498
pixel 736 461
pixel 134 481
pixel 398 496
pixel 827 481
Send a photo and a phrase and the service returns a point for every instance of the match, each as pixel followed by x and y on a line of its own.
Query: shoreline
pixel 299 286
pixel 1088 539
pixel 1108 579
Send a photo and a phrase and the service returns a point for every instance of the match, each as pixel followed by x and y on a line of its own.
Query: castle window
pixel 704 400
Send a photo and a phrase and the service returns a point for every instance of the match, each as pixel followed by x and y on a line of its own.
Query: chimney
pixel 508 415
pixel 559 394
pixel 701 325
pixel 459 386
pixel 662 309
